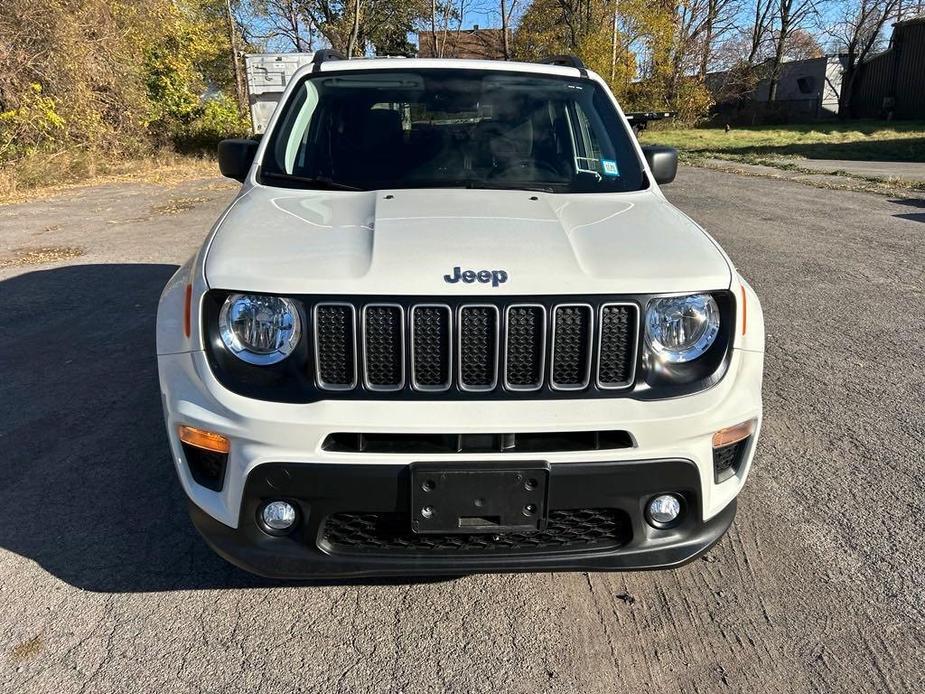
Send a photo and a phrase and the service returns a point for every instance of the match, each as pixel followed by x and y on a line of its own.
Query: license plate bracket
pixel 478 497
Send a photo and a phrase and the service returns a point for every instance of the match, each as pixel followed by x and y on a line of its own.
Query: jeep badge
pixel 496 277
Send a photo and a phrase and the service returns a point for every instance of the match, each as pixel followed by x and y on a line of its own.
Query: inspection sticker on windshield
pixel 610 167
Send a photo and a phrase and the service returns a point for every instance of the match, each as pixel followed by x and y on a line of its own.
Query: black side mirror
pixel 235 157
pixel 663 162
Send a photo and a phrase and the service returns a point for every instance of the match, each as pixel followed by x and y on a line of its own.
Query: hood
pixel 404 242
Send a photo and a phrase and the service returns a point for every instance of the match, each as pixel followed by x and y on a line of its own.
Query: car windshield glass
pixel 451 128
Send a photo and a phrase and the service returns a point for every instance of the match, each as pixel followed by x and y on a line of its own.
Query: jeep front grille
pixel 431 347
pixel 616 353
pixel 474 348
pixel 335 346
pixel 571 346
pixel 525 347
pixel 384 346
pixel 478 347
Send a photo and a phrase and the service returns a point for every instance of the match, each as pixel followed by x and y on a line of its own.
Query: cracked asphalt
pixel 105 587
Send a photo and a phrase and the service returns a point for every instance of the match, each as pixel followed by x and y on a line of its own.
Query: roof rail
pixel 324 55
pixel 566 61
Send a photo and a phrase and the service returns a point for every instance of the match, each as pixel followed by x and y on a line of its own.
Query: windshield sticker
pixel 610 167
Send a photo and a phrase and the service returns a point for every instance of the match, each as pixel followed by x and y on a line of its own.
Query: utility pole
pixel 433 25
pixel 239 87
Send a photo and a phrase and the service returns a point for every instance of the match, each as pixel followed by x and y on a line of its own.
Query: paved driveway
pixel 104 586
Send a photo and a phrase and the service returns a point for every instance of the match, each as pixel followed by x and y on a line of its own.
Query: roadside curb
pixel 835 180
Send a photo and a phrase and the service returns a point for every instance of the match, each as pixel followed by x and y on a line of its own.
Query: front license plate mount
pixel 479 497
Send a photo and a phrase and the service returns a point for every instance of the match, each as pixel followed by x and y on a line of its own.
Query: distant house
pixel 806 90
pixel 890 84
pixel 474 43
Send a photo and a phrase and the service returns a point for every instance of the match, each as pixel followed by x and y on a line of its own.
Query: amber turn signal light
pixel 730 435
pixel 207 440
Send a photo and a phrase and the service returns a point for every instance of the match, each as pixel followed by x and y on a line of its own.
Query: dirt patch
pixel 178 205
pixel 162 170
pixel 40 256
pixel 27 649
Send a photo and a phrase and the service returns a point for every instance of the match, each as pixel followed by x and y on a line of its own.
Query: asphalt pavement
pixel 818 587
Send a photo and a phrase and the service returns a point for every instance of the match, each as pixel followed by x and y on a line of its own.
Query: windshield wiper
pixel 322 182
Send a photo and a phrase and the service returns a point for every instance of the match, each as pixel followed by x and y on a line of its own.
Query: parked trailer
pixel 267 77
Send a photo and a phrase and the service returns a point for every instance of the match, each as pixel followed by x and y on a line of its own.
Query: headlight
pixel 259 329
pixel 681 328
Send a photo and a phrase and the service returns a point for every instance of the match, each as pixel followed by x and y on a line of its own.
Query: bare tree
pixel 272 21
pixel 762 20
pixel 856 33
pixel 719 18
pixel 790 16
pixel 507 10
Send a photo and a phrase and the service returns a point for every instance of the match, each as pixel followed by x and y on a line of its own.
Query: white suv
pixel 450 324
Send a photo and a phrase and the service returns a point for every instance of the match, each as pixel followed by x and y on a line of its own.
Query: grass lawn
pixel 858 140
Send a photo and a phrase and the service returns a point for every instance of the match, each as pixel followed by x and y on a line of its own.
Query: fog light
pixel 278 516
pixel 663 510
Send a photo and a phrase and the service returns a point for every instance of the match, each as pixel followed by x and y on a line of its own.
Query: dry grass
pixel 46 176
pixel 39 256
pixel 178 205
pixel 856 140
pixel 27 649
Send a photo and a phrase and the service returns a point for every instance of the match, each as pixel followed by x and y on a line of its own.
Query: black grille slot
pixel 478 347
pixel 390 532
pixel 727 459
pixel 571 358
pixel 617 358
pixel 335 346
pixel 383 343
pixel 526 345
pixel 431 347
pixel 536 442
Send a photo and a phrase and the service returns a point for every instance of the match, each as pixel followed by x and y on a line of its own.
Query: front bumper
pixel 672 451
pixel 321 491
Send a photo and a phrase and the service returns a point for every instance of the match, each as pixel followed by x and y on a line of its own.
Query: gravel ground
pixel 104 585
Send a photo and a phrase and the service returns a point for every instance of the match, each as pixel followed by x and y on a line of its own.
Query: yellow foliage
pixel 107 75
pixel 586 30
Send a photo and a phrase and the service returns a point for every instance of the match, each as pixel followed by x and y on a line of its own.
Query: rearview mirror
pixel 235 157
pixel 663 162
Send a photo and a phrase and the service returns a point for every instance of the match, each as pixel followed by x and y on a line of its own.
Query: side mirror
pixel 235 157
pixel 663 162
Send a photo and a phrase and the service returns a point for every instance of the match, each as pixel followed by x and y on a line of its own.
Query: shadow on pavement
pixel 914 203
pixel 87 489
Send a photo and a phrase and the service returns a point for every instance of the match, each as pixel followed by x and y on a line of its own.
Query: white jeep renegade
pixel 450 324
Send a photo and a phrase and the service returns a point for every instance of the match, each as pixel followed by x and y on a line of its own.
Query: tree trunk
pixel 504 37
pixel 239 86
pixel 613 43
pixel 356 29
pixel 707 39
pixel 847 89
pixel 778 60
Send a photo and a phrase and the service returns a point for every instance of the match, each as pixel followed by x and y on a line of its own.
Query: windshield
pixel 451 128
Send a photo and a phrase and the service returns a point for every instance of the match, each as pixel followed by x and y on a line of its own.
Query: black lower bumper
pixel 355 521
